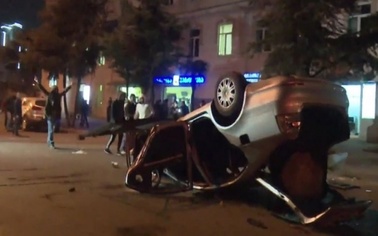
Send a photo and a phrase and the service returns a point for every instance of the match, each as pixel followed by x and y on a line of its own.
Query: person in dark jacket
pixel 53 110
pixel 8 111
pixel 17 114
pixel 117 117
pixel 84 111
pixel 184 108
pixel 109 110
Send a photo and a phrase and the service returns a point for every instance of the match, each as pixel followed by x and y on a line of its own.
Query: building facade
pixel 219 33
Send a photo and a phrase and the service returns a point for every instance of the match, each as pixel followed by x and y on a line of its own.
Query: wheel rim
pixel 226 93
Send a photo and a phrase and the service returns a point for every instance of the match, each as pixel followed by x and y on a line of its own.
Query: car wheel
pixel 229 97
pixel 300 172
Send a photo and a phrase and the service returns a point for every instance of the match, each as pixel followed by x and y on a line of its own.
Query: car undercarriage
pixel 213 149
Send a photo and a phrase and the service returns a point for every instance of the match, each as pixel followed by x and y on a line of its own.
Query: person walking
pixel 17 114
pixel 117 117
pixel 109 110
pixel 53 109
pixel 129 137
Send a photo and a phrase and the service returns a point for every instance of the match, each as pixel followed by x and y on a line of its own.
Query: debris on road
pixel 71 190
pixel 343 186
pixel 79 152
pixel 115 164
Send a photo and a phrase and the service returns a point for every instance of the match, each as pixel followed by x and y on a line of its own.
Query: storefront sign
pixel 179 80
pixel 252 77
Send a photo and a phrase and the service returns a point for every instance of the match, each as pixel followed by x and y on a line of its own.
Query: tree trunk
pixel 192 104
pixel 66 113
pixel 77 99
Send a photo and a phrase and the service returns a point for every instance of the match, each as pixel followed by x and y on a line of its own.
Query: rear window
pixel 40 103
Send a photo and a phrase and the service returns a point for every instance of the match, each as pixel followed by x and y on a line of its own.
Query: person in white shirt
pixel 143 110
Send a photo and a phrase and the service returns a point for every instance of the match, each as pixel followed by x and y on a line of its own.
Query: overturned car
pixel 276 132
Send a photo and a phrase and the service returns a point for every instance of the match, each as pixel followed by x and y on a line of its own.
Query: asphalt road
pixel 55 192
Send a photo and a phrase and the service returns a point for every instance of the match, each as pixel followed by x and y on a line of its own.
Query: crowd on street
pixel 129 108
pixel 119 110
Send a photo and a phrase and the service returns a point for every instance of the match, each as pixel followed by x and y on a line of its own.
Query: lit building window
pixel 225 39
pixel 101 59
pixel 100 95
pixel 368 100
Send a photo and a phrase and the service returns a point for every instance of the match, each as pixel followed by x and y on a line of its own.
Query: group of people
pixel 118 111
pixel 121 110
pixel 12 108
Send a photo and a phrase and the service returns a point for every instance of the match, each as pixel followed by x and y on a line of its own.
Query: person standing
pixel 17 114
pixel 158 113
pixel 129 137
pixel 84 111
pixel 53 109
pixel 143 110
pixel 109 110
pixel 117 117
pixel 8 107
pixel 164 110
pixel 184 108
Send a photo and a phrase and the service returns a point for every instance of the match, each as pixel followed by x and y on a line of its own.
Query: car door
pixel 166 147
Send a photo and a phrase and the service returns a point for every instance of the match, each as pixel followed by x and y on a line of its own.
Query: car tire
pixel 229 98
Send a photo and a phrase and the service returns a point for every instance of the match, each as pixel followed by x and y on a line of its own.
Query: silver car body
pixel 264 103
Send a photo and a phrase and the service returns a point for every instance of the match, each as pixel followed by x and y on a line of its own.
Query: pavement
pixel 75 190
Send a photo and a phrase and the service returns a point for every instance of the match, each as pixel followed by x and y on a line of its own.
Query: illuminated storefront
pixel 137 91
pixel 252 77
pixel 178 88
pixel 362 99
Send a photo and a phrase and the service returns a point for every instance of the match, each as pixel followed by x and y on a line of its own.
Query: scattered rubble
pixel 79 152
pixel 115 164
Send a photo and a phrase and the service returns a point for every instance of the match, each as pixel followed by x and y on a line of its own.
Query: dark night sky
pixel 22 11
